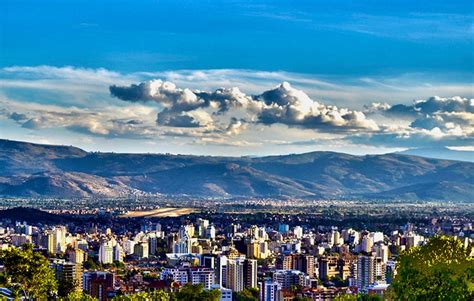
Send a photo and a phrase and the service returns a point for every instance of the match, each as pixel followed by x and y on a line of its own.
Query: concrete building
pixel 106 253
pixel 370 270
pixel 269 290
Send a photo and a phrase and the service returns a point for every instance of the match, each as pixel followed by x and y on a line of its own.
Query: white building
pixel 269 290
pixel 226 294
pixel 203 276
pixel 106 253
pixel 298 232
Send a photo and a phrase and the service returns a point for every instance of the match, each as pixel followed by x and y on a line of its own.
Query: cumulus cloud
pixel 196 118
pixel 429 106
pixel 436 120
pixel 175 99
pixel 185 105
pixel 131 122
pixel 409 137
pixel 293 107
pixel 236 126
pixel 282 104
pixel 162 92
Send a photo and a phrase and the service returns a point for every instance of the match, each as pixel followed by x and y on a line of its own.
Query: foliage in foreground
pixel 28 272
pixel 248 294
pixel 358 297
pixel 188 292
pixel 441 270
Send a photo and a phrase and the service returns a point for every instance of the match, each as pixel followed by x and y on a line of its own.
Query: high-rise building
pixel 119 254
pixel 288 278
pixel 141 250
pixel 77 256
pixel 253 249
pixel 381 251
pixel 235 275
pixel 221 271
pixel 186 231
pixel 208 261
pixel 211 232
pixel 284 262
pixel 346 267
pixel 179 275
pixel 366 244
pixel 97 284
pixel 152 243
pixel 269 290
pixel 298 232
pixel 128 247
pixel 283 228
pixel 68 272
pixel 328 267
pixel 193 275
pixel 204 276
pixel 106 253
pixel 304 263
pixel 57 240
pixel 250 273
pixel 202 225
pixel 370 270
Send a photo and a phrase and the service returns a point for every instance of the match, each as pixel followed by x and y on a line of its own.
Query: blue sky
pixel 344 53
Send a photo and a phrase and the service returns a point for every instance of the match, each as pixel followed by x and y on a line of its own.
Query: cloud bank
pixel 283 104
pixel 248 110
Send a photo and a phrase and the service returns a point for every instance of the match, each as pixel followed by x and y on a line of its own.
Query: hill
pixel 28 169
pixel 441 153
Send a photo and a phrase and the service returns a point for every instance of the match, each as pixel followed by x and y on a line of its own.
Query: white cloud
pixel 282 104
pixel 228 107
pixel 293 107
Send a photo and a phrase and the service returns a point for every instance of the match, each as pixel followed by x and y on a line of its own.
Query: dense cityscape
pixel 236 150
pixel 267 255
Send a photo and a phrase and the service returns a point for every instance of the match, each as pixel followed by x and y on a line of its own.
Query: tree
pixel 66 287
pixel 248 294
pixel 196 292
pixel 358 297
pixel 158 295
pixel 441 270
pixel 338 281
pixel 29 271
pixel 78 296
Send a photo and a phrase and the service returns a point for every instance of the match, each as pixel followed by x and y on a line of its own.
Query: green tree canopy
pixel 158 295
pixel 248 294
pixel 441 270
pixel 78 296
pixel 29 271
pixel 358 297
pixel 196 292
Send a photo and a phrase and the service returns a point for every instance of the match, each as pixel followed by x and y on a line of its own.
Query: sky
pixel 238 77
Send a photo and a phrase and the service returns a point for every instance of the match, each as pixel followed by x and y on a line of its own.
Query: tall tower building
pixel 370 270
pixel 304 263
pixel 221 271
pixel 68 272
pixel 235 274
pixel 250 273
pixel 269 290
pixel 106 253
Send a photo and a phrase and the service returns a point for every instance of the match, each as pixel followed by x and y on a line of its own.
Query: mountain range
pixel 35 170
pixel 441 152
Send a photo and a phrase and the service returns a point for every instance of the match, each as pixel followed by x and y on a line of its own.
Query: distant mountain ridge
pixel 441 153
pixel 28 169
